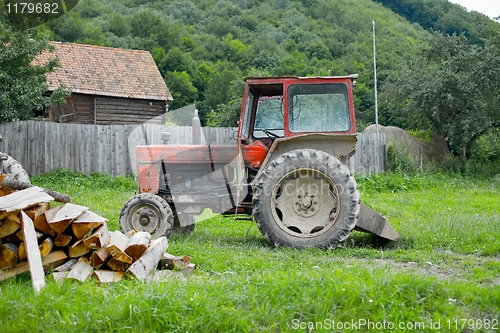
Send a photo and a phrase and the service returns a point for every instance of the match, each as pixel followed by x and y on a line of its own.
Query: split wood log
pixel 78 249
pixel 10 225
pixel 98 239
pixel 42 222
pixel 20 235
pixel 143 267
pixel 65 216
pixel 5 191
pixel 59 276
pixel 81 271
pixel 137 244
pixel 54 258
pixel 33 253
pixel 117 265
pixel 9 255
pixel 9 181
pixel 37 210
pixel 99 256
pixel 66 267
pixel 116 246
pixel 45 248
pixel 21 200
pixel 85 223
pixel 108 276
pixel 63 240
pixel 169 261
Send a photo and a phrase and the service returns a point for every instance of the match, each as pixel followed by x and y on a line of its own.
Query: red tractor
pixel 287 170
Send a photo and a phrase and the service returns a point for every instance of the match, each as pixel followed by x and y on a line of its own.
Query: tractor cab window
pixel 318 108
pixel 269 117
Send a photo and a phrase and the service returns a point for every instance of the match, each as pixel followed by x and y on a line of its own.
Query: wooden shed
pixel 107 85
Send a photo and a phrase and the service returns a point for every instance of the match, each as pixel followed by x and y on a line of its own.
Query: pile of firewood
pixel 75 243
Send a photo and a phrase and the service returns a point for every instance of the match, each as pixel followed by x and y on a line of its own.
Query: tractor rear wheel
pixel 306 198
pixel 147 212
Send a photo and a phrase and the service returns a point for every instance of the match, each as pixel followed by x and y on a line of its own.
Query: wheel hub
pixel 145 218
pixel 305 203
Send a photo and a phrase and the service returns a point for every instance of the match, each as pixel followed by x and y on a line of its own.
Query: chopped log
pixel 130 233
pixel 20 235
pixel 143 267
pixel 169 261
pixel 59 276
pixel 108 276
pixel 166 275
pixel 98 239
pixel 81 271
pixel 33 253
pixel 22 251
pixel 65 216
pixel 117 265
pixel 137 244
pixel 41 222
pixel 9 181
pixel 78 249
pixel 14 218
pixel 8 226
pixel 66 267
pixel 85 223
pixel 20 200
pixel 62 240
pixel 46 247
pixel 116 246
pixel 99 256
pixel 5 191
pixel 37 210
pixel 9 255
pixel 54 258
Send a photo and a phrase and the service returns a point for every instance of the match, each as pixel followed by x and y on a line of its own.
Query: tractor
pixel 287 171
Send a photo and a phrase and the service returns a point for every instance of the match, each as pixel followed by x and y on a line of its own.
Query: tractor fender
pixel 339 146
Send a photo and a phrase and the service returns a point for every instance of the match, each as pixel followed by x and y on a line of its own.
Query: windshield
pixel 318 108
pixel 269 116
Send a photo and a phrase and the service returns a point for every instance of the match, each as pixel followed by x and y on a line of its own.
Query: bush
pixel 399 160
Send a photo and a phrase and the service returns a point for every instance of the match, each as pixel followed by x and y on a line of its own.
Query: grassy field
pixel 443 276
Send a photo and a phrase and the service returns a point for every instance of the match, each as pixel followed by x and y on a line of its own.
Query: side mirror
pixel 235 135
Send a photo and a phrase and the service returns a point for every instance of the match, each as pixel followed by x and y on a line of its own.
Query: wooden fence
pixel 44 146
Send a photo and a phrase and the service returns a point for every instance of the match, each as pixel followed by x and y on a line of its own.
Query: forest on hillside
pixel 204 49
pixel 432 55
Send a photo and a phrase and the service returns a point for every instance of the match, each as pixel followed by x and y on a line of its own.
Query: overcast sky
pixel 490 8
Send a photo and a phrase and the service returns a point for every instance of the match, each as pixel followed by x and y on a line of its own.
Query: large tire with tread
pixel 147 212
pixel 306 198
pixel 188 220
pixel 12 167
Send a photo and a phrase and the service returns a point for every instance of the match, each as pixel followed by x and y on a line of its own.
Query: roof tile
pixel 97 70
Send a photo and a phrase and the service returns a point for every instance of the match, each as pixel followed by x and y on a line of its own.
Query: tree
pixel 23 83
pixel 452 90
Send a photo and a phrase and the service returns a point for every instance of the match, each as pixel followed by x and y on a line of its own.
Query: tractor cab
pixel 275 110
pixel 288 107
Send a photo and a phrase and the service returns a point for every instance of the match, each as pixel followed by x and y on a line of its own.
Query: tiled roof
pixel 106 71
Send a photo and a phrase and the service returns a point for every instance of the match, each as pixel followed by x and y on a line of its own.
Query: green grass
pixel 445 269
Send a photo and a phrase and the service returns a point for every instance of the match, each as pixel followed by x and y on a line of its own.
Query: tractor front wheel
pixel 147 212
pixel 306 198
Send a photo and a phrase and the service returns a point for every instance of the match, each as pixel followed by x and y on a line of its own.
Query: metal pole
pixel 375 76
